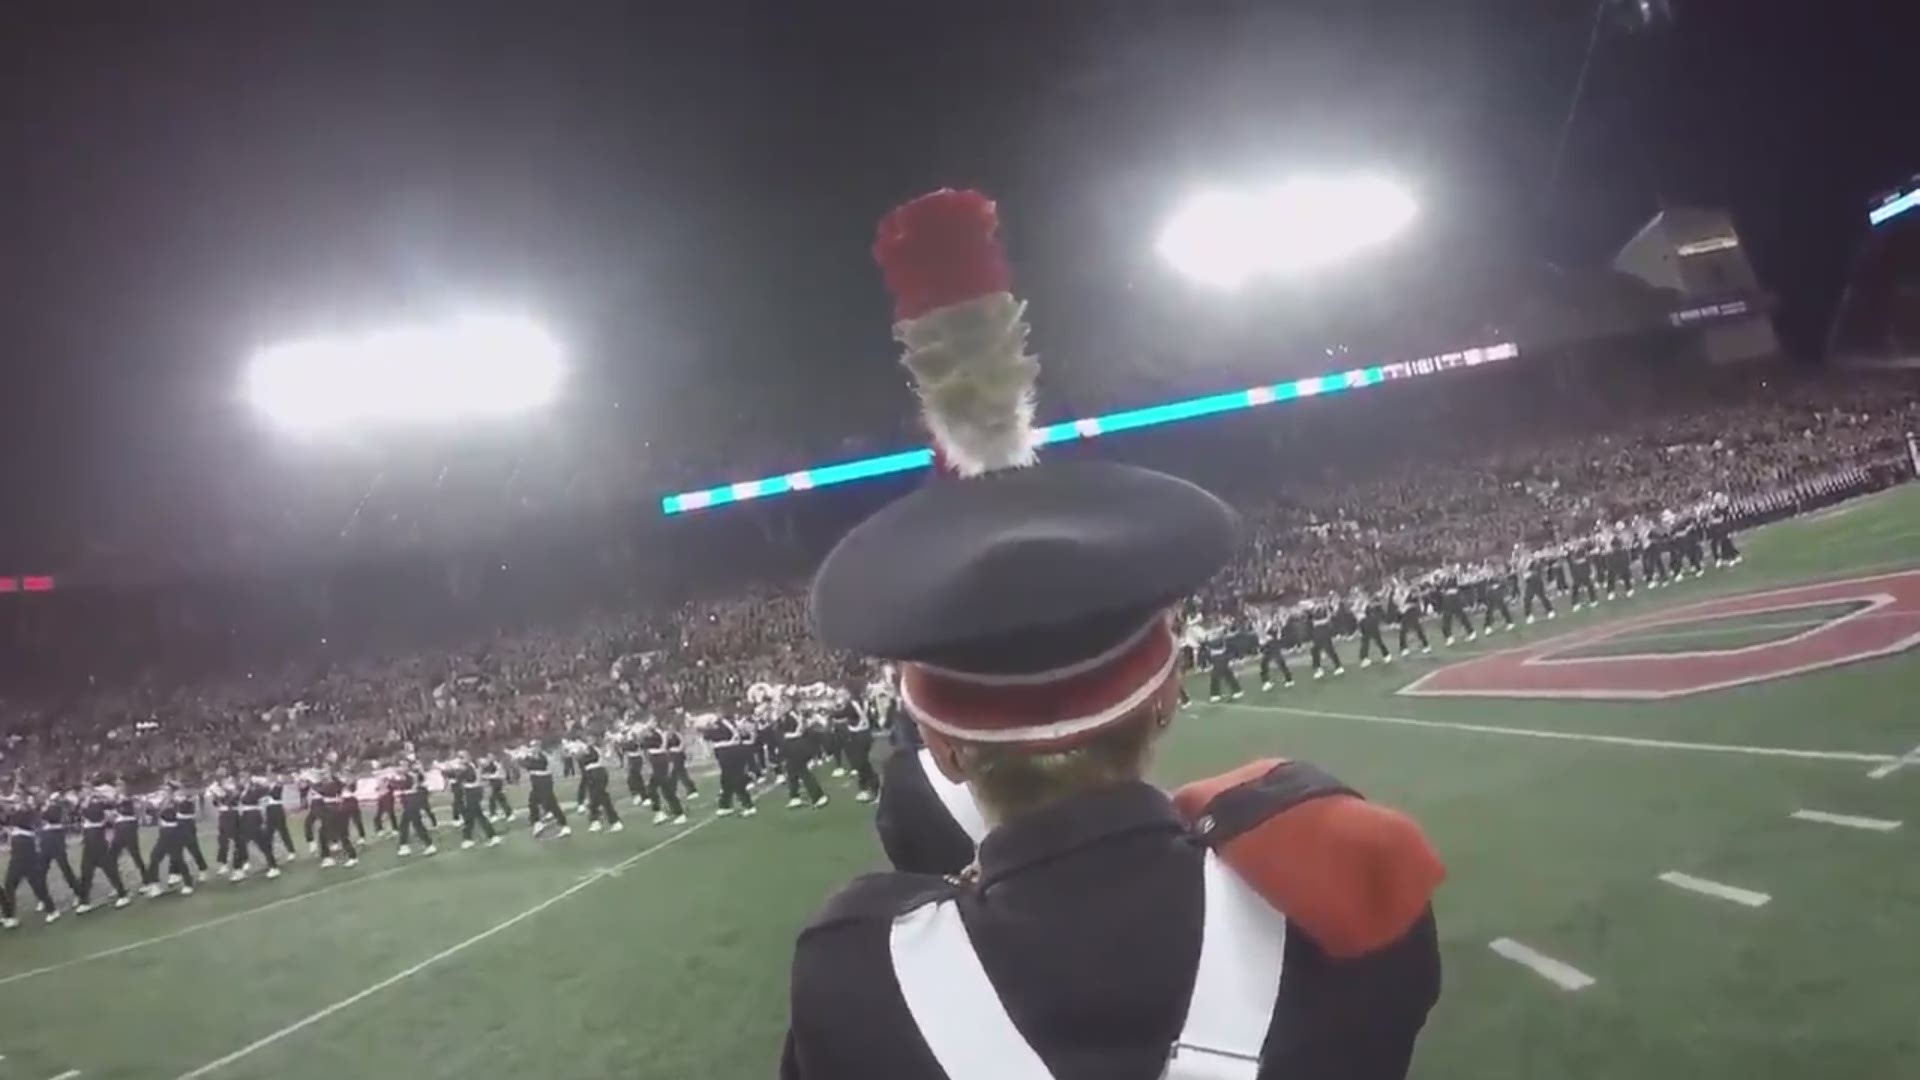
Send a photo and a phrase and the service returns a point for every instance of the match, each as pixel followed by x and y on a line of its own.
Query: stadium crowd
pixel 1432 475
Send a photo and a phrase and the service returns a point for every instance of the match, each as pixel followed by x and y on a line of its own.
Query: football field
pixel 1644 882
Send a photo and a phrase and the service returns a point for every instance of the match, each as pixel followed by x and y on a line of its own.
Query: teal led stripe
pixel 1091 427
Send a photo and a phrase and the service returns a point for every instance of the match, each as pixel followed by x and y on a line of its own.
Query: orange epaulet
pixel 1353 875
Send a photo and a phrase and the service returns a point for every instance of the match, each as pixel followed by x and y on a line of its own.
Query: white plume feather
pixel 975 380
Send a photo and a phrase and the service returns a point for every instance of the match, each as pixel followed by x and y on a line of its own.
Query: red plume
pixel 940 249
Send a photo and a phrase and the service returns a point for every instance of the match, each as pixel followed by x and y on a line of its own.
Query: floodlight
pixel 468 367
pixel 1226 237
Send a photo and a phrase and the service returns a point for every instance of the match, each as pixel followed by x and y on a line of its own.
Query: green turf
pixel 674 967
pixel 1705 635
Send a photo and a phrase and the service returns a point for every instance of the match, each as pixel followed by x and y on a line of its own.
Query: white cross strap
pixel 957 798
pixel 965 1024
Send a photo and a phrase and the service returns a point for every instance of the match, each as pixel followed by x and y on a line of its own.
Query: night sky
pixel 686 191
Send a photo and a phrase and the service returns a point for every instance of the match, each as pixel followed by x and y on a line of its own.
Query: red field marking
pixel 1543 670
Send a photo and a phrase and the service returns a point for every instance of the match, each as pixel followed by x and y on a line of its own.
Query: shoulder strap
pixel 1242 950
pixel 957 798
pixel 953 1003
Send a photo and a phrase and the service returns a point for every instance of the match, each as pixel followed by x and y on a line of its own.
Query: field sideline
pixel 1704 887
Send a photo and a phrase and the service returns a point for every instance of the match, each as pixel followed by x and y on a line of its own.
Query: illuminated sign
pixel 1092 427
pixel 1894 207
pixel 1712 244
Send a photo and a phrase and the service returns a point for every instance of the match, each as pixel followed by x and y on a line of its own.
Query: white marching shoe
pixel 1426 649
pixel 328 862
pixel 636 801
pixel 794 803
pixel 618 826
pixel 237 876
pixel 1529 620
pixel 9 924
pixel 1551 614
pixel 863 797
pixel 1266 688
pixel 725 811
pixel 122 901
pixel 152 890
pixel 1238 694
pixel 594 826
pixel 403 850
pixel 274 871
pixel 748 812
pixel 466 845
pixel 1387 659
pixel 819 802
pixel 565 830
pixel 186 890
pixel 429 850
pixel 681 820
pixel 82 908
pixel 1339 671
pixel 840 772
pixel 659 817
pixel 54 915
pixel 1367 663
pixel 692 795
pixel 493 841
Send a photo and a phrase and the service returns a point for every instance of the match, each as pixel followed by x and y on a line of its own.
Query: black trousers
pixel 799 774
pixel 277 826
pixel 310 821
pixel 126 837
pixel 383 814
pixel 541 802
pixel 1323 646
pixel 24 865
pixel 1692 550
pixel 1410 623
pixel 859 753
pixel 351 808
pixel 733 762
pixel 190 845
pixel 680 774
pixel 471 817
pixel 1535 589
pixel 1584 581
pixel 223 824
pixel 1270 658
pixel 1496 603
pixel 251 832
pixel 599 803
pixel 97 855
pixel 54 853
pixel 637 785
pixel 169 856
pixel 1220 675
pixel 1450 614
pixel 661 788
pixel 1370 635
pixel 333 831
pixel 1723 549
pixel 1653 566
pixel 497 799
pixel 411 826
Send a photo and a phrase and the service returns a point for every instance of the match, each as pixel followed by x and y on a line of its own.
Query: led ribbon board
pixel 1894 207
pixel 1092 427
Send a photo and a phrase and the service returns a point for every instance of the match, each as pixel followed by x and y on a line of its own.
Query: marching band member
pixel 1276 923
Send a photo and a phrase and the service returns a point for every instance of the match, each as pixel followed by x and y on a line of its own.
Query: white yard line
pixel 1911 757
pixel 68 1075
pixel 195 928
pixel 1731 893
pixel 1558 972
pixel 1846 821
pixel 450 951
pixel 1580 736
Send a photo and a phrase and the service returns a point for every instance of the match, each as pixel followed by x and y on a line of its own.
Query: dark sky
pixel 687 190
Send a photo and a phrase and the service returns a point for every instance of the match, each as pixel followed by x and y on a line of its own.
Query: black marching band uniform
pixel 467 785
pixel 1276 925
pixel 96 849
pixel 856 741
pixel 663 790
pixel 542 804
pixel 1273 652
pixel 408 786
pixel 795 751
pixel 593 783
pixel 732 743
pixel 20 821
pixel 495 774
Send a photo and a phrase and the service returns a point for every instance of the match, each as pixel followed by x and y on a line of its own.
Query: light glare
pixel 466 368
pixel 1225 238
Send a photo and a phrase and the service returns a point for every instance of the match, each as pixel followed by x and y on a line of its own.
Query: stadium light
pixel 1226 237
pixel 468 367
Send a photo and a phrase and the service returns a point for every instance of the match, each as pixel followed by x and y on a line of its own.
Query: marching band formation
pixel 1581 572
pixel 780 732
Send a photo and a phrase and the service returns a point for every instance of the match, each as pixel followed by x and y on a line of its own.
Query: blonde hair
pixel 1010 781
